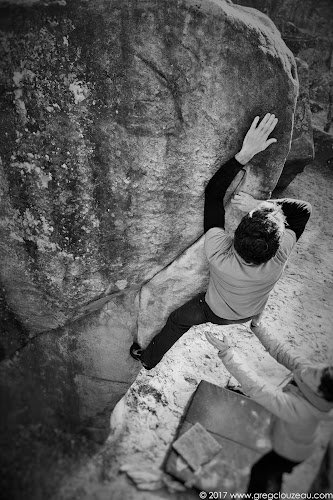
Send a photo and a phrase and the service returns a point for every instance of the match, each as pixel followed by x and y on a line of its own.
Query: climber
pixel 306 400
pixel 243 269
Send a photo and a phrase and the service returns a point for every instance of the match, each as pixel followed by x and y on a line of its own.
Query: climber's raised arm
pixel 256 140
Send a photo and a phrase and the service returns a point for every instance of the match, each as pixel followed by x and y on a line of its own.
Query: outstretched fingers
pixel 255 123
pixel 212 340
pixel 270 125
pixel 256 137
pixel 210 337
pixel 268 130
pixel 217 343
pixel 264 122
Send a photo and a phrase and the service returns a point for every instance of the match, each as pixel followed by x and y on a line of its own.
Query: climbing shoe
pixel 136 353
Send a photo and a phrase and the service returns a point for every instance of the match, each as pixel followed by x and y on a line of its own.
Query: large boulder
pixel 115 115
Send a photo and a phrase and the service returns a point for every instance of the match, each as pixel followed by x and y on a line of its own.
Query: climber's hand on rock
pixel 221 345
pixel 256 139
pixel 245 202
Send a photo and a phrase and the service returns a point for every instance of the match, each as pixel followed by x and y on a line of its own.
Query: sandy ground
pixel 145 421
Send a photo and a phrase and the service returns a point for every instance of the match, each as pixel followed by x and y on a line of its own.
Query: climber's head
pixel 326 383
pixel 320 379
pixel 258 236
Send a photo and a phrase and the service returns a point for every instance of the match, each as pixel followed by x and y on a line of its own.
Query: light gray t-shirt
pixel 236 289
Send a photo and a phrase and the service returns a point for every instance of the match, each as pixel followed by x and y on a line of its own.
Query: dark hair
pixel 258 236
pixel 326 383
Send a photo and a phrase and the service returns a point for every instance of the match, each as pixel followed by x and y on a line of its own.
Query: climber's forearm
pixel 214 214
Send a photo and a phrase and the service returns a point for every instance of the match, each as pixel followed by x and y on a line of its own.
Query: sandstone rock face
pixel 72 377
pixel 115 116
pixel 302 146
pixel 169 289
pixel 120 116
pixel 307 28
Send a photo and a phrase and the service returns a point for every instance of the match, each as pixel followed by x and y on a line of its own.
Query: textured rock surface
pixel 115 115
pixel 72 377
pixel 120 115
pixel 307 29
pixel 171 288
pixel 323 146
pixel 302 147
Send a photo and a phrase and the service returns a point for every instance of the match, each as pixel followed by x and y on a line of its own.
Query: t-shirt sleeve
pixel 217 244
pixel 287 244
pixel 297 213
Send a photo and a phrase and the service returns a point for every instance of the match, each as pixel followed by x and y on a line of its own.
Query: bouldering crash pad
pixel 222 435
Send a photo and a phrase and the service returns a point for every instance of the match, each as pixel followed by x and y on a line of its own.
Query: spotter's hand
pixel 221 345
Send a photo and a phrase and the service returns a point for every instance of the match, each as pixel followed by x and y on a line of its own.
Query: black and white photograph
pixel 166 249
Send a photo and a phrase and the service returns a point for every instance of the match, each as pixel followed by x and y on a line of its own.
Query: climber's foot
pixel 136 353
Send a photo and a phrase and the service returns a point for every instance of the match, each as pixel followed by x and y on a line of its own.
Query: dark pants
pixel 266 474
pixel 195 312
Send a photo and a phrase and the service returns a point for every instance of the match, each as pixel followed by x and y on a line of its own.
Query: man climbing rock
pixel 300 406
pixel 243 269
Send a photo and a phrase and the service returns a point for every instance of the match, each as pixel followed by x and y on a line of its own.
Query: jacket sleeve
pixel 278 350
pixel 297 214
pixel 284 405
pixel 214 214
